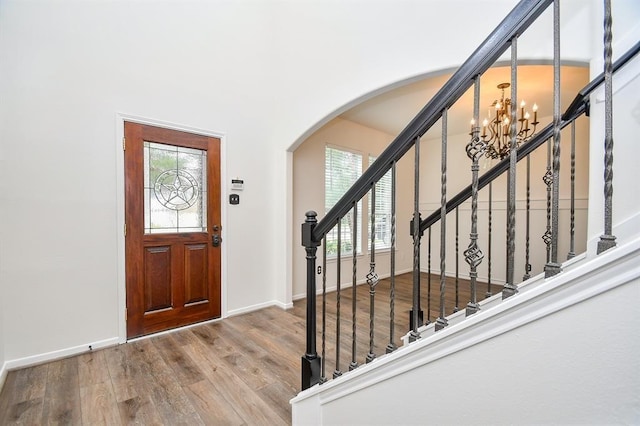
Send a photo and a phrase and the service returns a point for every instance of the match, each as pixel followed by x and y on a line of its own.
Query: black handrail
pixel 522 15
pixel 578 106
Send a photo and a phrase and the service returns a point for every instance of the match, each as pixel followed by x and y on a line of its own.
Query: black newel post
pixel 310 360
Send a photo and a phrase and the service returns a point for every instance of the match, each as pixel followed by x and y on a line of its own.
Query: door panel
pixel 195 268
pixel 172 210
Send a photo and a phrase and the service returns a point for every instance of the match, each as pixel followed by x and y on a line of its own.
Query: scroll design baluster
pixel 547 178
pixel 553 267
pixel 415 318
pixel 473 255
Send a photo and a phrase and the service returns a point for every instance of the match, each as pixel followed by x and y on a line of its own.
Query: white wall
pixel 626 122
pixel 265 74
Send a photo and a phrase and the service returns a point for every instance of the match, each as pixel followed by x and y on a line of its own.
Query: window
pixel 342 169
pixel 382 232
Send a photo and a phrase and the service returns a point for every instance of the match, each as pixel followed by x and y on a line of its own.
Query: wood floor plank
pixel 164 389
pixel 99 405
pixel 124 372
pixel 139 410
pixel 61 403
pixel 92 368
pixel 243 398
pixel 211 405
pixel 184 369
pixel 27 412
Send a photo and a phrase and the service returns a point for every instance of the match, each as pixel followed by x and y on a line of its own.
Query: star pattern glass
pixel 175 190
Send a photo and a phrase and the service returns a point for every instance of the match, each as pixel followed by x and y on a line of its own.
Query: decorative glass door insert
pixel 175 189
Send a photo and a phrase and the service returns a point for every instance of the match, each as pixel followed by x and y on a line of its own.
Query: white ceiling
pixel 393 110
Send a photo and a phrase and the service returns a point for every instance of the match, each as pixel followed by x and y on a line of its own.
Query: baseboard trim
pixel 59 354
pixel 257 307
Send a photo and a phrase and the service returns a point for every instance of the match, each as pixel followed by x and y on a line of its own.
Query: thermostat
pixel 237 184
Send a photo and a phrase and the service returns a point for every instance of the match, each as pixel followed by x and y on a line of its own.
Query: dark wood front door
pixel 173 232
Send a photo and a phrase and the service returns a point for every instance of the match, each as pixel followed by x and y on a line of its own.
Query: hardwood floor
pixel 242 370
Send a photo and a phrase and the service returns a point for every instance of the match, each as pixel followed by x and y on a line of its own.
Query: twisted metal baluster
pixel 548 180
pixel 457 307
pixel 372 276
pixel 416 313
pixel 475 149
pixel 527 265
pixel 608 240
pixel 553 267
pixel 441 322
pixel 392 292
pixel 489 293
pixel 510 287
pixel 354 245
pixel 337 371
pixel 572 225
pixel 323 377
pixel 428 277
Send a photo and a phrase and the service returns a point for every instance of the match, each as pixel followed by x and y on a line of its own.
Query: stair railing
pixel 314 232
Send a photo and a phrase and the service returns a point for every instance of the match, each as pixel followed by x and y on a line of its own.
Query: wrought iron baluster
pixel 392 291
pixel 372 276
pixel 416 313
pixel 428 276
pixel 475 149
pixel 548 180
pixel 510 287
pixel 572 224
pixel 441 322
pixel 527 265
pixel 354 245
pixel 553 267
pixel 337 372
pixel 608 240
pixel 323 377
pixel 457 307
pixel 490 218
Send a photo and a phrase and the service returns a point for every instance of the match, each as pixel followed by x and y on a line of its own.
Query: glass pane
pixel 175 189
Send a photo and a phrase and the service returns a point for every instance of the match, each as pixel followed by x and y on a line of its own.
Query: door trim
pixel 120 213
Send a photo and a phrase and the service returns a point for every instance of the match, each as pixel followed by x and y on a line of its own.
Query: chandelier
pixel 495 132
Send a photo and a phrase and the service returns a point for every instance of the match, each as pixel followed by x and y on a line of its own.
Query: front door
pixel 172 225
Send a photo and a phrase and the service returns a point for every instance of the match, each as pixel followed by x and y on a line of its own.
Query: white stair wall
pixel 564 351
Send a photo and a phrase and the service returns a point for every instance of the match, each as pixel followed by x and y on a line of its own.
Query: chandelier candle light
pixel 495 133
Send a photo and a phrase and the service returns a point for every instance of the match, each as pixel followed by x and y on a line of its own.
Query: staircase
pixel 557 347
